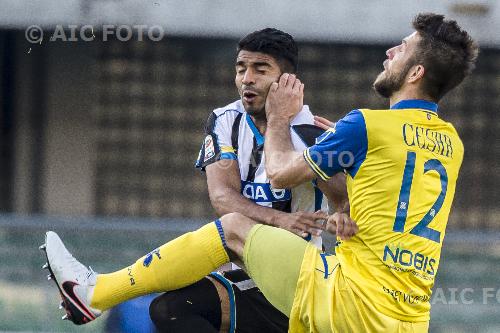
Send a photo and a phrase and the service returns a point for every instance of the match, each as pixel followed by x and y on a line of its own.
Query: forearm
pixel 278 138
pixel 230 201
pixel 341 206
pixel 336 191
pixel 278 148
pixel 281 158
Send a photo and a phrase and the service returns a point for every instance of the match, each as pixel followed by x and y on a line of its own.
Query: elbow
pixel 278 182
pixel 220 210
pixel 271 175
pixel 273 183
pixel 278 185
pixel 279 175
pixel 219 203
pixel 279 179
pixel 275 178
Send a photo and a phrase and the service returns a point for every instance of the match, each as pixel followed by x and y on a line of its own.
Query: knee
pixel 232 225
pixel 166 308
pixel 236 227
pixel 231 220
pixel 172 311
pixel 158 310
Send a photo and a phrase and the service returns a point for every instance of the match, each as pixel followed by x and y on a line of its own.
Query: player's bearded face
pixel 255 72
pixel 391 80
pixel 400 59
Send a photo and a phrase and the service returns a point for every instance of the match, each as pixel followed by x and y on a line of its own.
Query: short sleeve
pixel 341 147
pixel 217 144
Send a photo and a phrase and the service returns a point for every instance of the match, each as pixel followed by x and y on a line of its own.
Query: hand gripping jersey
pixel 231 134
pixel 402 167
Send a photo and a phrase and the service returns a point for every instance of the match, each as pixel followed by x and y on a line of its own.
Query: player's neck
pixel 405 94
pixel 260 122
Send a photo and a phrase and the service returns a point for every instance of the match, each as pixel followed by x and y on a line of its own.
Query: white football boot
pixel 74 281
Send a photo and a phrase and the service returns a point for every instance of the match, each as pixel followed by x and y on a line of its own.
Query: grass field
pixel 29 303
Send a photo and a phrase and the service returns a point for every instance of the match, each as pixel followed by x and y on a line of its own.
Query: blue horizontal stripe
pixel 228 156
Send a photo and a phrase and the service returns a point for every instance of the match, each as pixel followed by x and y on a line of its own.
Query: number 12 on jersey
pixel 421 229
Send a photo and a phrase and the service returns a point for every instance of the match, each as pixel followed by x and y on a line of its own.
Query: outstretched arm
pixel 224 189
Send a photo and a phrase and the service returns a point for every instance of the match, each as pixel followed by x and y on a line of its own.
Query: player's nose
pixel 248 78
pixel 390 52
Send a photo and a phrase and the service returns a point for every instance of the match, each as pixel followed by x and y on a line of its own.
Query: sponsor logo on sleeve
pixel 209 148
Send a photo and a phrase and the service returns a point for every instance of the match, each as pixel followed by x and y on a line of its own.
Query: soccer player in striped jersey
pixel 232 157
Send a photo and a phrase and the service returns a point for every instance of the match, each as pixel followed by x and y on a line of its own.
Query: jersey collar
pixel 258 136
pixel 416 104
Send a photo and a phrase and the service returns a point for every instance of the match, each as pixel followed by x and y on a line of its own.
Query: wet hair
pixel 275 43
pixel 446 51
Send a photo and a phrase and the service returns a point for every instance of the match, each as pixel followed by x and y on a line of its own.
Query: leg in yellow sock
pixel 174 265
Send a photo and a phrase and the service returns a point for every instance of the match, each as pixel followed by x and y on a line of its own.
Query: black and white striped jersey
pixel 232 134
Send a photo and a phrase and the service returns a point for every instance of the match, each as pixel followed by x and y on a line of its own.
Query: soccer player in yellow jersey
pixel 401 164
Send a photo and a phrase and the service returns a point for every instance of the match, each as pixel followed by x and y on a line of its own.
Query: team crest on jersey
pixel 209 148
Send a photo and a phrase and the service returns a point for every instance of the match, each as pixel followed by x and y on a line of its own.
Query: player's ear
pixel 416 73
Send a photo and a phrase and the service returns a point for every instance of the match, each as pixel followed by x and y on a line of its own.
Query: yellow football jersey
pixel 402 167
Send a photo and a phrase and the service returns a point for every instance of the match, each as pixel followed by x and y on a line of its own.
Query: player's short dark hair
pixel 446 51
pixel 276 43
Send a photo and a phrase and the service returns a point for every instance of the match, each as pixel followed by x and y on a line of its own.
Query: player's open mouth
pixel 249 96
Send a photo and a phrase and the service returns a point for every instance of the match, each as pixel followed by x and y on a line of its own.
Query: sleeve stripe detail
pixel 329 131
pixel 228 156
pixel 227 149
pixel 314 166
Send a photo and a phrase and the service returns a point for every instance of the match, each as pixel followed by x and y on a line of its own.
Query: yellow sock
pixel 174 265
